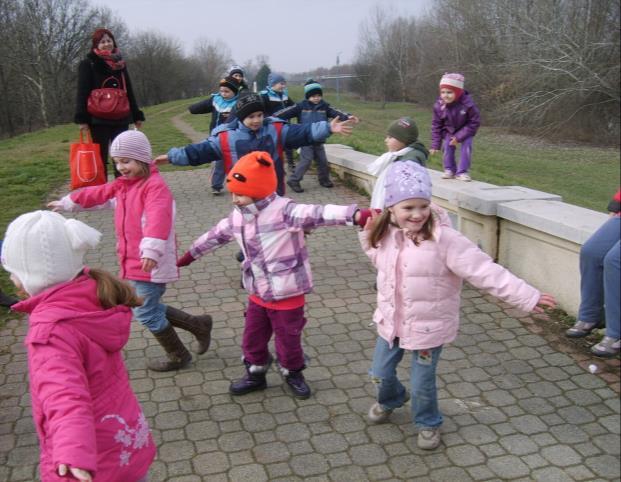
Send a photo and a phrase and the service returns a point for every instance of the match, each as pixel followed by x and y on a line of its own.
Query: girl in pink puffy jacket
pixel 88 420
pixel 144 218
pixel 421 264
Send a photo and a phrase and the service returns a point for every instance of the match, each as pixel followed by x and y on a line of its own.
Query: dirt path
pixel 187 129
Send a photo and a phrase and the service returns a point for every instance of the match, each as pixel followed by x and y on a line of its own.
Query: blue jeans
pixel 391 393
pixel 152 313
pixel 217 174
pixel 600 277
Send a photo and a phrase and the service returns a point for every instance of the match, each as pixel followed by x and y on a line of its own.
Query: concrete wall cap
pixel 563 220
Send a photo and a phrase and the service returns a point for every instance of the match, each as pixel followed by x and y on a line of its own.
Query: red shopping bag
pixel 85 163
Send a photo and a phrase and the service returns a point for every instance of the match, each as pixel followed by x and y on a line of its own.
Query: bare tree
pixel 213 58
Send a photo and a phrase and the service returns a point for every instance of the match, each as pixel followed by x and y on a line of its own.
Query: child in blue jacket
pixel 220 105
pixel 251 131
pixel 312 109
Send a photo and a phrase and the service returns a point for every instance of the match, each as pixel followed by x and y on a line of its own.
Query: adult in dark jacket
pixel 104 66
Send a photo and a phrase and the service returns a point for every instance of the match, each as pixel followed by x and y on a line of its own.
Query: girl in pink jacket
pixel 421 264
pixel 276 271
pixel 144 217
pixel 88 420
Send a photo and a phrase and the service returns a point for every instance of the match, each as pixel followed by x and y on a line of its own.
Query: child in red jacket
pixel 144 215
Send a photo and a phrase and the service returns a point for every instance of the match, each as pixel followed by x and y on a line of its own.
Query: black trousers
pixel 104 135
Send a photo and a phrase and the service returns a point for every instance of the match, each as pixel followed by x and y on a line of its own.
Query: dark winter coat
pixel 92 72
pixel 418 154
pixel 460 119
pixel 219 107
pixel 307 112
pixel 274 101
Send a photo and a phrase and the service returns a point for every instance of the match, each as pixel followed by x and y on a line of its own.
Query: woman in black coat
pixel 104 67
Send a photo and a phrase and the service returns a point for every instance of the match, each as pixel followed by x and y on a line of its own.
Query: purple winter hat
pixel 406 180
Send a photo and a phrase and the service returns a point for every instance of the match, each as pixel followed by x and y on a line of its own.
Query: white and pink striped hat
pixel 132 145
pixel 452 80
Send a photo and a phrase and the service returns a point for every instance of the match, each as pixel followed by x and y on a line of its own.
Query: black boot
pixel 177 355
pixel 199 326
pixel 296 383
pixel 295 185
pixel 6 300
pixel 253 380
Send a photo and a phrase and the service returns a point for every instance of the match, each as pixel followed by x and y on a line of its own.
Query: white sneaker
pixel 463 177
pixel 378 414
pixel 448 174
pixel 428 438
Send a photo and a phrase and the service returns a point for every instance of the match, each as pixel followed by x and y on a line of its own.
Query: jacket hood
pixel 419 146
pixel 75 302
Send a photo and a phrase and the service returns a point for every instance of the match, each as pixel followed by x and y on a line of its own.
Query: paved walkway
pixel 516 406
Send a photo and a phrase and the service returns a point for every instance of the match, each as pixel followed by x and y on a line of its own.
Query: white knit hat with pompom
pixel 43 248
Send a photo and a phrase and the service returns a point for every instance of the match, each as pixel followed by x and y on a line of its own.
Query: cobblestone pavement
pixel 515 407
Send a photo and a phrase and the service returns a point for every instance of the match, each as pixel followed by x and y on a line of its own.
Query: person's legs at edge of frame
pixel 610 345
pixel 592 254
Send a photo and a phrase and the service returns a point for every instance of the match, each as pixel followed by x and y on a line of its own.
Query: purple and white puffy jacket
pixel 271 235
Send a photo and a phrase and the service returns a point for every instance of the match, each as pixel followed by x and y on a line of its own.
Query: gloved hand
pixel 365 214
pixel 185 260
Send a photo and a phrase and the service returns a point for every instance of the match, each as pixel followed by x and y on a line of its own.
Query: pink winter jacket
pixel 144 221
pixel 419 287
pixel 84 409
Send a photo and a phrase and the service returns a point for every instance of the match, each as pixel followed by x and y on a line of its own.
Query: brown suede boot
pixel 177 355
pixel 199 326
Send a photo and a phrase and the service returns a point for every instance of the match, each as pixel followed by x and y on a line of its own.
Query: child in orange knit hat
pixel 276 271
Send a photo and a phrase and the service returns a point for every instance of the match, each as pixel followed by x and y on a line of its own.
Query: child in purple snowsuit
pixel 456 120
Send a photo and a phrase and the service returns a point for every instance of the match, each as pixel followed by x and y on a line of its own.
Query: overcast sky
pixel 296 35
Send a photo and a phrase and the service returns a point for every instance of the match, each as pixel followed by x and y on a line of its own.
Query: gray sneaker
pixel 428 438
pixel 379 414
pixel 607 348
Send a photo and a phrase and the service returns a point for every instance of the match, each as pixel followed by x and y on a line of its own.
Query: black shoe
pixel 253 380
pixel 297 385
pixel 295 186
pixel 327 183
pixel 239 256
pixel 215 191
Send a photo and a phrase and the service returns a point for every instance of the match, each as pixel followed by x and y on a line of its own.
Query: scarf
pixel 379 168
pixel 114 59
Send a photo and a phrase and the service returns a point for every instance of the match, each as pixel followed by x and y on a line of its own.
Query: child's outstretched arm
pixel 310 216
pixel 202 152
pixel 202 107
pixel 363 235
pixel 219 235
pixel 466 260
pixel 61 385
pixel 300 135
pixel 87 198
pixel 288 112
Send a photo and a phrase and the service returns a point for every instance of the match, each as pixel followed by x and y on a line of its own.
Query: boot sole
pixel 245 392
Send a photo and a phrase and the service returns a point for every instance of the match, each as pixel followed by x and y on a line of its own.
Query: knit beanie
pixel 132 145
pixel 236 69
pixel 312 88
pixel 98 35
pixel 404 130
pixel 253 175
pixel 247 104
pixel 454 82
pixel 230 83
pixel 273 78
pixel 406 180
pixel 42 249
